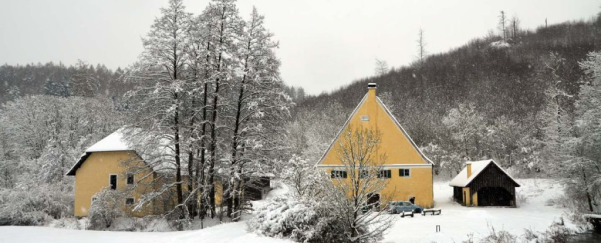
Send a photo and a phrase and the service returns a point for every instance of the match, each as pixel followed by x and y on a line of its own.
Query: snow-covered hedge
pixel 34 206
pixel 301 221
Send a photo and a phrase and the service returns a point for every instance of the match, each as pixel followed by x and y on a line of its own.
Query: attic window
pixel 364 118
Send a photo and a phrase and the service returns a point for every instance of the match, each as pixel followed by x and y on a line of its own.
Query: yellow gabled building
pixel 111 163
pixel 410 171
pixel 114 164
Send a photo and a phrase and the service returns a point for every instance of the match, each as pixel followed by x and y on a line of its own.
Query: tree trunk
pixel 588 195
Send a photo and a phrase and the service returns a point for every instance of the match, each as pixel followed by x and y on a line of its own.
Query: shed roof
pixel 461 180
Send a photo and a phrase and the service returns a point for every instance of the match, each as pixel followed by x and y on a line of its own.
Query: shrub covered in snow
pixel 106 207
pixel 35 205
pixel 299 220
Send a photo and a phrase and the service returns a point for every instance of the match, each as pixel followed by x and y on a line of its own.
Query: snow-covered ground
pixel 456 222
pixel 229 232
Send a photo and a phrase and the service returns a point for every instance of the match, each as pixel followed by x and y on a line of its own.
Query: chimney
pixel 469 169
pixel 371 90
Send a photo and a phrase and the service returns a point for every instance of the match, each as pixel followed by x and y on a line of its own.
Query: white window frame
pixel 116 181
pixel 365 118
pixel 339 174
pixel 381 175
pixel 404 176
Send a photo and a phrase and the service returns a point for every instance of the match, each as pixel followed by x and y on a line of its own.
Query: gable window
pixel 384 174
pixel 130 179
pixel 339 174
pixel 404 172
pixel 364 118
pixel 129 201
pixel 113 182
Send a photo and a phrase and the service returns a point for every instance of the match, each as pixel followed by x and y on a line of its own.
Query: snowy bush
pixel 499 237
pixel 34 206
pixel 557 233
pixel 302 221
pixel 107 206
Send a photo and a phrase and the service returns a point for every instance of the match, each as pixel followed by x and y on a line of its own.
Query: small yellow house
pixel 408 170
pixel 106 165
pixel 111 163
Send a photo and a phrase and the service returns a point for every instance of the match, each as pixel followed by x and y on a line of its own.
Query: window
pixel 363 174
pixel 94 198
pixel 130 179
pixel 129 201
pixel 339 174
pixel 364 118
pixel 113 182
pixel 384 174
pixel 404 172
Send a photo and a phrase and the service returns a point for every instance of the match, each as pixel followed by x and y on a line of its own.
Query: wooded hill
pixel 500 80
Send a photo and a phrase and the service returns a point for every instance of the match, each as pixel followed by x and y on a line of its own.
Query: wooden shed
pixel 484 183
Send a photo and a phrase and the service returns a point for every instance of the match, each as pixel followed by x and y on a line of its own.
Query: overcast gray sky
pixel 323 44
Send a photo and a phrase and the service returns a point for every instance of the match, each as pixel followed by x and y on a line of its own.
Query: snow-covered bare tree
pixel 503 25
pixel 303 179
pixel 159 98
pixel 381 67
pixel 421 47
pixel 467 127
pixel 583 167
pixel 356 184
pixel 260 109
pixel 514 27
pixel 223 27
pixel 84 82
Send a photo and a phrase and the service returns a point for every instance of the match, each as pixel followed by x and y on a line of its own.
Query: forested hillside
pixel 484 99
pixel 82 79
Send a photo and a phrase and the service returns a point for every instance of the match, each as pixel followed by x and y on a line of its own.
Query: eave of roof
pixel 475 175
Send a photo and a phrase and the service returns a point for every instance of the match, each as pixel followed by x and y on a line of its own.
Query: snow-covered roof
pixel 154 150
pixel 461 180
pixel 112 142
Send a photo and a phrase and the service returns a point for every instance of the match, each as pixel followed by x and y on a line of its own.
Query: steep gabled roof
pixel 461 180
pixel 390 115
pixel 154 152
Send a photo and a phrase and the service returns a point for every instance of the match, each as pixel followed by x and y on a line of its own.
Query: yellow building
pixel 407 169
pixel 112 164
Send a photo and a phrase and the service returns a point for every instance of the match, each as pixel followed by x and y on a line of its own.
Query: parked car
pixel 403 206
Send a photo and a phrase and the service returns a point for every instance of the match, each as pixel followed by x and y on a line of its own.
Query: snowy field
pixel 456 222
